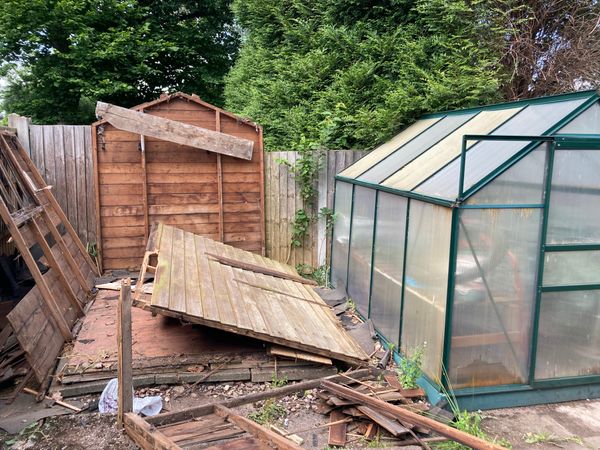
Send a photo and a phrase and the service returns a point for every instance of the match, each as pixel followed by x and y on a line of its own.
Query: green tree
pixel 348 74
pixel 61 56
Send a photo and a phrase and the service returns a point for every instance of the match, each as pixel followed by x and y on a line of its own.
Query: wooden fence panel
pixel 63 155
pixel 282 200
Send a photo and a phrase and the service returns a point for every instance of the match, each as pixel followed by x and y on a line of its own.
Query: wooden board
pixel 194 286
pixel 174 131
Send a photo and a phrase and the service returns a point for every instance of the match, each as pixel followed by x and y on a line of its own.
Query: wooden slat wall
pixel 282 199
pixel 63 155
pixel 182 186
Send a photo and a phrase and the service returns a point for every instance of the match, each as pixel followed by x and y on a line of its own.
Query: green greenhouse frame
pixel 474 236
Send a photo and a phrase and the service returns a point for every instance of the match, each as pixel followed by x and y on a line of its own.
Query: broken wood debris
pixel 400 420
pixel 42 320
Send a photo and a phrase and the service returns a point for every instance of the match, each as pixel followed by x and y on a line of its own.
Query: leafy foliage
pixel 410 369
pixel 269 413
pixel 348 75
pixel 61 56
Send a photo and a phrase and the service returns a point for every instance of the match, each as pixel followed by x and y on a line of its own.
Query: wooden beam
pixel 260 269
pixel 145 435
pixel 144 186
pixel 173 131
pixel 35 272
pixel 220 181
pixel 124 343
pixel 96 168
pixel 403 414
pixel 41 240
pixel 256 430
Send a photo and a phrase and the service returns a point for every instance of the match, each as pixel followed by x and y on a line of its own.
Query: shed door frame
pixel 561 143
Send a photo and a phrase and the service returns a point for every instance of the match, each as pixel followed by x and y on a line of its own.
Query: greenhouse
pixel 473 237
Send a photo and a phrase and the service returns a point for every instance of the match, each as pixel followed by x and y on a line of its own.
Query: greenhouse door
pixel 568 327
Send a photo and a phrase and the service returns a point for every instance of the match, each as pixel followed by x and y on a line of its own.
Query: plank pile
pixel 350 418
pixel 13 364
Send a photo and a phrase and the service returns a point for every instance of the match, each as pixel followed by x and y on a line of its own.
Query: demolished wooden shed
pixel 203 187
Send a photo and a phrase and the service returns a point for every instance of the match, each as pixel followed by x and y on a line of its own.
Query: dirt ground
pixel 571 426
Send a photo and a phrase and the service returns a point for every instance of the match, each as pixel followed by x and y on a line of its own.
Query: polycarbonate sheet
pixel 361 247
pixel 522 184
pixel 486 156
pixel 379 153
pixel 574 215
pixel 569 335
pixel 494 296
pixel 588 122
pixel 427 253
pixel 341 234
pixel 573 267
pixel 449 148
pixel 388 262
pixel 414 148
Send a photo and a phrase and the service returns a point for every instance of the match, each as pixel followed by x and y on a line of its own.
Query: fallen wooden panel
pixel 43 319
pixel 213 425
pixel 174 131
pixel 297 354
pixel 193 286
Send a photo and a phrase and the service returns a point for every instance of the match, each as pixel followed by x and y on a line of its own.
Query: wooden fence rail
pixel 63 155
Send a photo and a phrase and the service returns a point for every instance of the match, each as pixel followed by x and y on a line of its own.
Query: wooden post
pixel 220 182
pixel 124 344
pixel 144 187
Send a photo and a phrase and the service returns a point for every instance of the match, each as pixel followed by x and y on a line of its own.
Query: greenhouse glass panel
pixel 361 247
pixel 379 153
pixel 427 255
pixel 573 215
pixel 494 297
pixel 574 267
pixel 386 295
pixel 414 148
pixel 445 151
pixel 341 234
pixel 569 335
pixel 522 184
pixel 588 122
pixel 486 156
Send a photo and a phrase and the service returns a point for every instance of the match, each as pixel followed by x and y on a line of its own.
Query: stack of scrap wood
pixel 376 406
pixel 347 416
pixel 13 364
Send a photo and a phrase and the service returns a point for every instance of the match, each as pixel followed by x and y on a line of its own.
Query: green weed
pixel 277 382
pixel 548 438
pixel 410 368
pixel 268 414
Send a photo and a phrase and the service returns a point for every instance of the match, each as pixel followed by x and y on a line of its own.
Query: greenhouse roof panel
pixel 384 150
pixel 446 150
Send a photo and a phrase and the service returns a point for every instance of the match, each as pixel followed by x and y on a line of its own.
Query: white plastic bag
pixel 108 403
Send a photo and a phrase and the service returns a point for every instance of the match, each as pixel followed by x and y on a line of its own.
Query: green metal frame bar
pixel 350 237
pixel 533 101
pixel 405 252
pixel 577 142
pixel 571 247
pixel 447 348
pixel 515 206
pixel 525 151
pixel 571 287
pixel 407 194
pixel 541 261
pixel 375 213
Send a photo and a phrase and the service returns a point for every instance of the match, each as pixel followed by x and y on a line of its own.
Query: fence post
pixel 22 125
pixel 322 203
